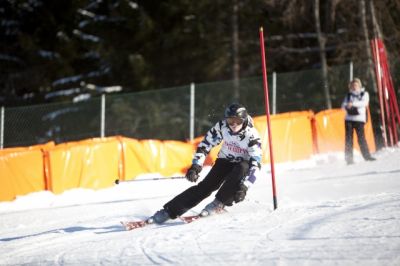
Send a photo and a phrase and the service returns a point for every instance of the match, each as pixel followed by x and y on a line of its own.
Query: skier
pixel 234 171
pixel 356 103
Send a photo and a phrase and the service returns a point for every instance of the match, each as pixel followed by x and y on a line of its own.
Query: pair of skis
pixel 130 225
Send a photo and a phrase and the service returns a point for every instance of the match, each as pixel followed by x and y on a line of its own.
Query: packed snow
pixel 328 214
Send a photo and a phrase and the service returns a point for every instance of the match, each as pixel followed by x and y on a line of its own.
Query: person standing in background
pixel 355 104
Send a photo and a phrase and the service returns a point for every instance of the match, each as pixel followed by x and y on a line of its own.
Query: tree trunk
pixel 370 71
pixel 377 30
pixel 322 44
pixel 330 15
pixel 235 50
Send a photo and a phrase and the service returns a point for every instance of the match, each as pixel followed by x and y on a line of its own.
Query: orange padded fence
pixel 96 163
pixel 292 136
pixel 330 131
pixel 155 156
pixel 21 173
pixel 92 163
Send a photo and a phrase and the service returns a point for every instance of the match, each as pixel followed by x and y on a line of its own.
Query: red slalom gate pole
pixel 265 82
pixel 378 74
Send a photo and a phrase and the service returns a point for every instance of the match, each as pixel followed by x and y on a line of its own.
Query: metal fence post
pixel 351 70
pixel 192 99
pixel 103 115
pixel 2 128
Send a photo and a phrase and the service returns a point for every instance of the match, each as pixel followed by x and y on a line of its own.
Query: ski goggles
pixel 234 120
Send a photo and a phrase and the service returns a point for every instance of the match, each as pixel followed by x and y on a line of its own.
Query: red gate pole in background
pixel 387 96
pixel 378 73
pixel 271 156
pixel 391 95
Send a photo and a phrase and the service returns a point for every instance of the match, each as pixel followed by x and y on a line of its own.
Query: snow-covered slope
pixel 328 214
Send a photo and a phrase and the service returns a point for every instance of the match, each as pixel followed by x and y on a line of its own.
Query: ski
pixel 192 218
pixel 130 225
pixel 189 219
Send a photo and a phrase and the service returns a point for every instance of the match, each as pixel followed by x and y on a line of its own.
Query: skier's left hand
pixel 241 193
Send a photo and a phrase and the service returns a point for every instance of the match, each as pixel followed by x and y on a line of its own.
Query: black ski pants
pixel 350 126
pixel 224 175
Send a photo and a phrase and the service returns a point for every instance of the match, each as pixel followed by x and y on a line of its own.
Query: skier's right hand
pixel 193 172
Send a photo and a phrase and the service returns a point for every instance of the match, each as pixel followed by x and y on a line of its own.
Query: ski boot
pixel 159 217
pixel 213 207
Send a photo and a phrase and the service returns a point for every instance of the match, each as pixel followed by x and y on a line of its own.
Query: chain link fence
pixel 165 114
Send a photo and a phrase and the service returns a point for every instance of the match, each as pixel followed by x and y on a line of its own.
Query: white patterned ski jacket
pixel 244 145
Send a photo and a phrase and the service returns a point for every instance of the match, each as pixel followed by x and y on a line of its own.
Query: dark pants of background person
pixel 359 128
pixel 224 175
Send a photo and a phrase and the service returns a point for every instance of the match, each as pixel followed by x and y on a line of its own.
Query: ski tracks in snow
pixel 328 215
pixel 336 232
pixel 174 243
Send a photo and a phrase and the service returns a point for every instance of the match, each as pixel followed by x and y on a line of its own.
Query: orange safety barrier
pixel 292 136
pixel 156 156
pixel 21 173
pixel 92 163
pixel 22 170
pixel 330 131
pixel 96 163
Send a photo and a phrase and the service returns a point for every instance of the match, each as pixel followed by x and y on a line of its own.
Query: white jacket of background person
pixel 360 101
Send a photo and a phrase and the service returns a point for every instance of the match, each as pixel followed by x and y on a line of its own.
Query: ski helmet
pixel 236 110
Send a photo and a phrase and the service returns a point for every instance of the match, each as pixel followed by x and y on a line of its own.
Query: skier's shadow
pixel 75 229
pixel 69 230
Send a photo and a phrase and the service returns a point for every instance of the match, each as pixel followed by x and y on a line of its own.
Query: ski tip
pixel 134 224
pixel 189 219
pixel 124 224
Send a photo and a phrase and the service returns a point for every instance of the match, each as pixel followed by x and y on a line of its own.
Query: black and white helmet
pixel 236 110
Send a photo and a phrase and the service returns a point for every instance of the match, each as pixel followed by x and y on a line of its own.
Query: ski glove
pixel 241 193
pixel 252 176
pixel 193 172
